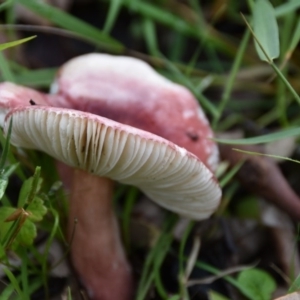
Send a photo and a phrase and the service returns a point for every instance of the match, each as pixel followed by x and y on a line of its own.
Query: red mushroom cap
pixel 129 91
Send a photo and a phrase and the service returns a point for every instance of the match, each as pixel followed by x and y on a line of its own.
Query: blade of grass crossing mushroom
pixel 183 79
pixel 262 139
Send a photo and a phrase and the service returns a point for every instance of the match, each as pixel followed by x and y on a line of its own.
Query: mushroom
pixel 129 91
pixel 96 146
pixel 118 82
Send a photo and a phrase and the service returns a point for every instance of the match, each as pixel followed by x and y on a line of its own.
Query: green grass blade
pixel 35 285
pixel 287 7
pixel 149 271
pixel 6 147
pixel 295 286
pixel 45 267
pixel 69 297
pixel 3 186
pixel 181 258
pixel 15 43
pixel 36 78
pixel 114 8
pixel 10 156
pixel 262 139
pixel 158 262
pixel 168 19
pixel 6 72
pixel 74 24
pixel 7 292
pixel 286 83
pixel 14 282
pixel 184 80
pixel 295 39
pixel 24 273
pixel 267 155
pixel 229 175
pixel 162 16
pixel 266 30
pixel 131 198
pixel 232 76
pixel 5 5
pixel 229 279
pixel 150 37
pixel 216 296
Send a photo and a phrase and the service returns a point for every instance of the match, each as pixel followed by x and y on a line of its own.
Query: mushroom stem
pixel 96 249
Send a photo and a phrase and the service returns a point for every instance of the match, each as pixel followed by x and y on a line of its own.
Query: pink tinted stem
pixel 96 250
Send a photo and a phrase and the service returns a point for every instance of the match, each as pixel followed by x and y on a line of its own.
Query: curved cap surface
pixel 129 91
pixel 168 174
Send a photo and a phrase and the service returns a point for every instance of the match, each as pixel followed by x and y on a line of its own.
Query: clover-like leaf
pixel 36 209
pixel 15 228
pixel 30 187
pixel 26 235
pixel 258 283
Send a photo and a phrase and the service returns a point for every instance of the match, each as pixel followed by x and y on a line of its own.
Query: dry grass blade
pixel 211 279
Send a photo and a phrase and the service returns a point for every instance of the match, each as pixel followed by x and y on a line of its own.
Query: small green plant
pixel 17 224
pixel 258 284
